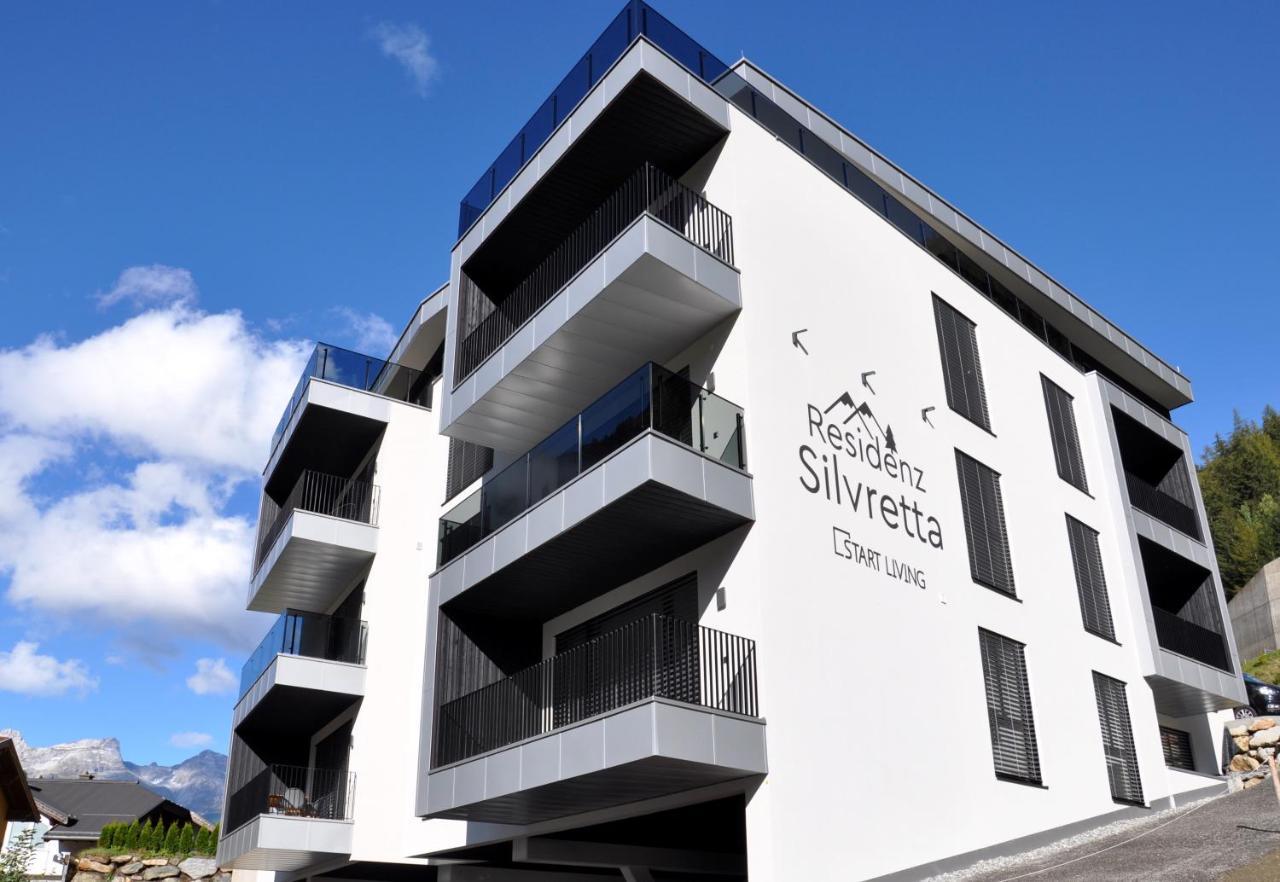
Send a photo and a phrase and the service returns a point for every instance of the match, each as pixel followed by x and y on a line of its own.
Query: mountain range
pixel 196 782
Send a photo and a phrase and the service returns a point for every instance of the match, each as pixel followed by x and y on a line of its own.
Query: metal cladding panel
pixel 312 561
pixel 650 502
pixel 283 844
pixel 294 672
pixel 652 749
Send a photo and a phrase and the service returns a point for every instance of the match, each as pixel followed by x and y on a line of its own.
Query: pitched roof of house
pixel 85 805
pixel 21 805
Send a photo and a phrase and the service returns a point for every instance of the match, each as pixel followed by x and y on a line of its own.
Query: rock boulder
pixel 1265 738
pixel 1262 723
pixel 167 872
pixel 198 867
pixel 1240 763
pixel 131 869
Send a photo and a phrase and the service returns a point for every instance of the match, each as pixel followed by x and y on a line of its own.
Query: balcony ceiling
pixel 287 716
pixel 647 122
pixel 330 441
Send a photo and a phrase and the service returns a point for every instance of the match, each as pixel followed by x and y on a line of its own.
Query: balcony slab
pixel 291 680
pixel 647 503
pixel 653 748
pixel 312 560
pixel 283 843
pixel 646 297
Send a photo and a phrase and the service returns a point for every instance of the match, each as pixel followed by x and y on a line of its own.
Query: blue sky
pixel 190 192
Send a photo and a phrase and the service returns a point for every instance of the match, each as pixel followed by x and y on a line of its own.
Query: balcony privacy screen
pixel 961 368
pixel 984 525
pixel 467 462
pixel 1013 730
pixel 1117 740
pixel 1091 584
pixel 1063 433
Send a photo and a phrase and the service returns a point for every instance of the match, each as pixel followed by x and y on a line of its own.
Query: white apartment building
pixel 738 509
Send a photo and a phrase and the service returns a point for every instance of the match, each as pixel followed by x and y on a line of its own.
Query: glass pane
pixel 939 247
pixel 610 45
pixel 972 273
pixel 617 417
pixel 722 431
pixel 902 218
pixel 778 121
pixel 861 185
pixel 675 407
pixel 1032 320
pixel 460 528
pixel 554 462
pixel 505 495
pixel 507 164
pixel 1004 298
pixel 825 156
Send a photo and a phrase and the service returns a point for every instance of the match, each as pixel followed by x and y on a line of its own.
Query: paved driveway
pixel 1234 834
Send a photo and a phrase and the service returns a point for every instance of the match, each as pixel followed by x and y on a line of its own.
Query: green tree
pixel 106 835
pixel 172 838
pixel 15 859
pixel 132 835
pixel 144 837
pixel 1240 482
pixel 187 839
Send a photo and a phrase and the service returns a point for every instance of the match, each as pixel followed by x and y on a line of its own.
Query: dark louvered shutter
pixel 984 525
pixel 1177 748
pixel 1090 581
pixel 961 368
pixel 1117 740
pixel 467 462
pixel 1063 433
pixel 1013 728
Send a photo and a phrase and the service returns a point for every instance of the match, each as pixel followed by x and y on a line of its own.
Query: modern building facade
pixel 786 512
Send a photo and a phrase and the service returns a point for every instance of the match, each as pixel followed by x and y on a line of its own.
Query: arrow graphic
pixel 924 415
pixel 867 383
pixel 795 340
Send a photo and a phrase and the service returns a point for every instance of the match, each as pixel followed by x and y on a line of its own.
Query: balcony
pixel 636 19
pixel 314 543
pixel 652 708
pixel 1189 639
pixel 654 468
pixel 1157 475
pixel 337 412
pixel 1164 507
pixel 287 818
pixel 643 277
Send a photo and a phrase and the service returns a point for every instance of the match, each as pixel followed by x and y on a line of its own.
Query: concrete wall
pixel 1255 613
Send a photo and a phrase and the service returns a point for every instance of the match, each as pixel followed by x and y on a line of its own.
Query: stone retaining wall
pixel 131 868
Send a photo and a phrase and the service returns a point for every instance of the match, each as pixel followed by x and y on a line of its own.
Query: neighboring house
pixel 16 801
pixel 1255 613
pixel 78 808
pixel 49 863
pixel 736 421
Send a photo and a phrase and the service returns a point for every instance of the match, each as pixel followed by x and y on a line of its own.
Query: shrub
pixel 132 835
pixel 172 839
pixel 204 841
pixel 107 835
pixel 16 859
pixel 187 839
pixel 144 837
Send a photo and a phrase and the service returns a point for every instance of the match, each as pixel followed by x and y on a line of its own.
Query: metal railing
pixel 649 190
pixel 1194 641
pixel 636 18
pixel 357 371
pixel 318 493
pixel 1147 497
pixel 313 635
pixel 654 657
pixel 293 791
pixel 651 398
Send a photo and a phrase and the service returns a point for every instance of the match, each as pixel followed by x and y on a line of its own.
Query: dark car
pixel 1264 698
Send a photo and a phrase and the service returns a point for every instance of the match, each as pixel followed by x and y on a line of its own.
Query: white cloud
pixel 190 739
pixel 409 45
pixel 212 677
pixel 25 671
pixel 173 382
pixel 151 285
pixel 155 421
pixel 370 332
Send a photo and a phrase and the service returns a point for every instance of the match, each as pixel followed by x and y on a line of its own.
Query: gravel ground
pixel 1196 842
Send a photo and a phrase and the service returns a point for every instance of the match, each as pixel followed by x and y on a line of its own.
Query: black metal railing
pixel 313 635
pixel 1194 641
pixel 293 791
pixel 649 190
pixel 357 371
pixel 1147 497
pixel 635 18
pixel 318 493
pixel 651 398
pixel 654 657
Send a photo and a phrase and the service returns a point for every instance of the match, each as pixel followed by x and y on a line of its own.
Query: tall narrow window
pixel 1063 433
pixel 1013 730
pixel 961 368
pixel 989 560
pixel 1117 740
pixel 1090 582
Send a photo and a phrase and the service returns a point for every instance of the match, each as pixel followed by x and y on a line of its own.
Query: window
pixel 984 525
pixel 1177 748
pixel 1090 582
pixel 1013 731
pixel 961 369
pixel 1117 740
pixel 467 462
pixel 1063 434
